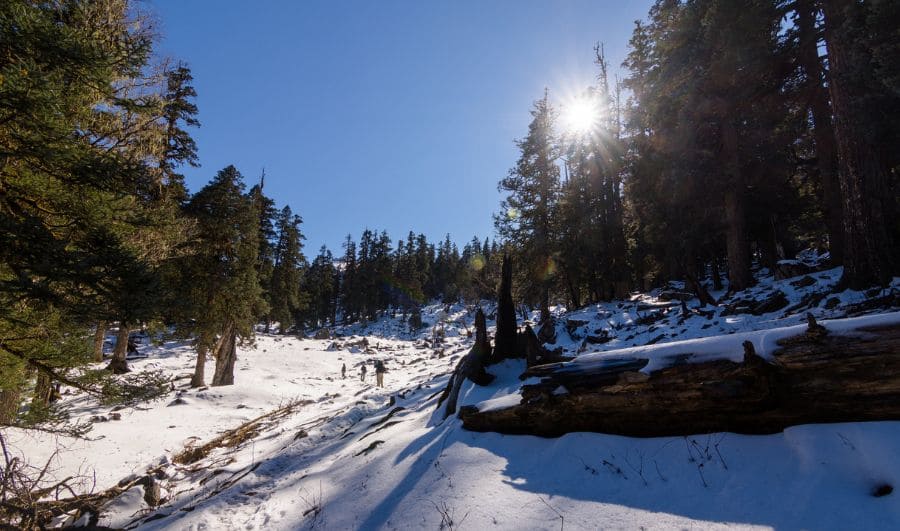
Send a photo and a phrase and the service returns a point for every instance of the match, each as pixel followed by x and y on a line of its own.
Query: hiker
pixel 344 371
pixel 362 373
pixel 379 373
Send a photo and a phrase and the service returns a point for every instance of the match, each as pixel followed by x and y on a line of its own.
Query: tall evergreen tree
pixel 222 282
pixel 285 296
pixel 860 97
pixel 526 216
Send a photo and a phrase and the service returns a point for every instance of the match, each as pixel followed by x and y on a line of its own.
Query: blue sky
pixel 396 115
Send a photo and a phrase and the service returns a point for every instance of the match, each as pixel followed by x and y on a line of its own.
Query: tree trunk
pixel 738 247
pixel 545 304
pixel 9 405
pixel 823 132
pixel 226 355
pixel 505 338
pixel 573 293
pixel 42 389
pixel 99 338
pixel 865 186
pixel 716 275
pixel 198 380
pixel 118 364
pixel 816 378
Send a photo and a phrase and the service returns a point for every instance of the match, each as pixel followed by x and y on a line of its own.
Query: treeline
pixel 744 131
pixel 373 277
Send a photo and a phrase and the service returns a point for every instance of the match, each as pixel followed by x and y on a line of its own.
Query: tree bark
pixel 823 133
pixel 226 355
pixel 99 338
pixel 815 378
pixel 42 389
pixel 865 186
pixel 199 377
pixel 736 242
pixel 716 276
pixel 505 338
pixel 471 366
pixel 9 405
pixel 118 364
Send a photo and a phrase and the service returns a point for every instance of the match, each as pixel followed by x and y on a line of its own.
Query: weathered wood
pixel 471 366
pixel 505 338
pixel 815 378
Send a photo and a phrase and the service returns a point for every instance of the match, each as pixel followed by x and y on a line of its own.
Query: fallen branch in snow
pixel 562 519
pixel 236 436
pixel 29 501
pixel 810 378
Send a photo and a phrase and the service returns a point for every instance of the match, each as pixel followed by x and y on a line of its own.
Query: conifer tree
pixel 77 138
pixel 285 296
pixel 223 283
pixel 861 99
pixel 526 216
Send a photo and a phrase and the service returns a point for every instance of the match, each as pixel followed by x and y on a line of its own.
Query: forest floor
pixel 293 445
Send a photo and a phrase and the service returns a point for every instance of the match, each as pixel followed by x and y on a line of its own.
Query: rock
pixel 832 303
pixel 598 338
pixel 323 333
pixel 547 331
pixel 675 295
pixel 177 402
pixel 804 282
pixel 773 303
pixel 115 416
pixel 791 268
pixel 572 326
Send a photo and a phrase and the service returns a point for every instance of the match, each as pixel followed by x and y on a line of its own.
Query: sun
pixel 580 115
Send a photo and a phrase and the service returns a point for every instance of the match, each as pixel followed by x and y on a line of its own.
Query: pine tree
pixel 526 213
pixel 350 285
pixel 859 100
pixel 77 138
pixel 285 297
pixel 222 282
pixel 179 111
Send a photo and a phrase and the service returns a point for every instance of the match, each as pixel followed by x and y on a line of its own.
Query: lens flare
pixel 580 115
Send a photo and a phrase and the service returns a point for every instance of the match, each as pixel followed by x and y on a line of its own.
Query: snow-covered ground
pixel 349 455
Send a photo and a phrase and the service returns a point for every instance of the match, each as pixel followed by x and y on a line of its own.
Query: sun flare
pixel 580 115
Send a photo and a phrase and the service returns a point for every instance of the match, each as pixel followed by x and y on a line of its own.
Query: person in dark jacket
pixel 380 369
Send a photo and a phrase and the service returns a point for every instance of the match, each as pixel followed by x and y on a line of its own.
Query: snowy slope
pixel 348 455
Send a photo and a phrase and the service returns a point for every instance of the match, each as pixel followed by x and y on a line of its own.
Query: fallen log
pixel 814 377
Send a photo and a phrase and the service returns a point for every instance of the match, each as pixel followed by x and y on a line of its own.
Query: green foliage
pixel 220 280
pixel 285 297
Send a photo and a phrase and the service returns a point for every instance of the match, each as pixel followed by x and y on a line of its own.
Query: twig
pixel 562 519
